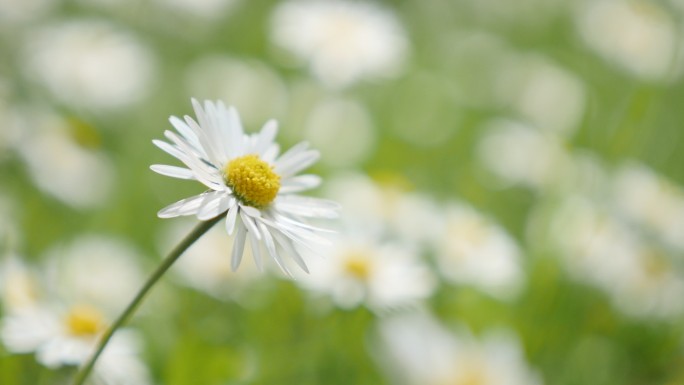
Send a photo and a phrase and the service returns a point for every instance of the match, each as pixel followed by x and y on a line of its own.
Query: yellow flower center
pixel 253 181
pixel 358 266
pixel 83 321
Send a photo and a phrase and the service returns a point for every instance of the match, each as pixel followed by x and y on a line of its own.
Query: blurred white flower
pixel 417 350
pixel 71 172
pixel 474 250
pixel 95 270
pixel 387 208
pixel 249 85
pixel 636 35
pixel 60 314
pixel 205 267
pixel 342 41
pixel 519 154
pixel 254 187
pixel 205 9
pixel 651 201
pixel 343 130
pixel 361 269
pixel 19 284
pixel 16 11
pixel 68 336
pixel 89 63
pixel 600 250
pixel 550 97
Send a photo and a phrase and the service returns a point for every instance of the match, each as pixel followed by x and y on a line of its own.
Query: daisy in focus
pixel 249 182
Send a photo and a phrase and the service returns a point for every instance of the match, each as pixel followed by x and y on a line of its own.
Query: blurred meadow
pixel 510 173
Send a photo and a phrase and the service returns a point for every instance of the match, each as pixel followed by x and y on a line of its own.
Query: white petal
pixel 265 138
pixel 172 171
pixel 251 211
pixel 223 129
pixel 170 149
pixel 212 129
pixel 238 246
pixel 294 151
pixel 214 204
pixel 204 173
pixel 271 153
pixel 270 246
pixel 296 163
pixel 201 135
pixel 281 218
pixel 304 237
pixel 185 130
pixel 187 206
pixel 256 251
pixel 299 183
pixel 231 217
pixel 307 206
pixel 235 134
pixel 249 223
pixel 286 245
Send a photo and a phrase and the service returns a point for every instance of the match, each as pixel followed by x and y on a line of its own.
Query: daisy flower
pixel 362 269
pixel 417 349
pixel 249 182
pixel 65 336
pixel 61 320
pixel 341 41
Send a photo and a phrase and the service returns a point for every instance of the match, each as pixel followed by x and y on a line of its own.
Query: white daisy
pixel 386 205
pixel 76 270
pixel 638 36
pixel 63 330
pixel 519 154
pixel 19 287
pixel 363 269
pixel 416 349
pixel 598 248
pixel 89 63
pixel 248 181
pixel 62 164
pixel 342 41
pixel 652 201
pixel 475 250
pixel 62 336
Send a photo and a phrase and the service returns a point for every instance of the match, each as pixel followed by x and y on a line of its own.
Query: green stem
pixel 197 232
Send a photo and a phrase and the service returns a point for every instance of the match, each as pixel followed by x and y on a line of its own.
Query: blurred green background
pixel 559 122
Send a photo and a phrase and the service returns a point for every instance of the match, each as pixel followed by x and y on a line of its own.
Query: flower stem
pixel 196 233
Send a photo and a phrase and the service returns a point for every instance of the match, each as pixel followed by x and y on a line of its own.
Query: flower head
pixel 364 269
pixel 342 41
pixel 248 181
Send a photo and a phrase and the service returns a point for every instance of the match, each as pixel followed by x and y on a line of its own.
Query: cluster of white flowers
pixel 381 254
pixel 621 231
pixel 58 311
